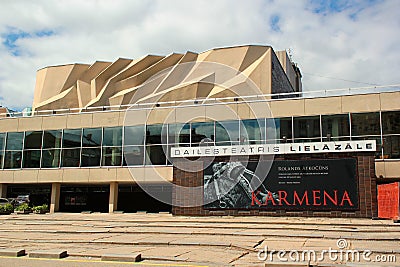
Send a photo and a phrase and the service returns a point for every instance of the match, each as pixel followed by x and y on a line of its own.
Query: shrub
pixel 40 209
pixel 23 206
pixel 7 208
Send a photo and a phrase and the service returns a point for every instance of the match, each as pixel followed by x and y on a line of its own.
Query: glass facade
pixel 148 144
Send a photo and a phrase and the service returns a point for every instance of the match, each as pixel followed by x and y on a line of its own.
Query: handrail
pixel 213 101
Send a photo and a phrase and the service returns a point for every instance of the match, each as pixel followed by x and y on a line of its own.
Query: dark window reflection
pixel 91 137
pixel 134 135
pixel 51 158
pixel 14 141
pixel 202 132
pixel 52 139
pixel 72 138
pixel 284 129
pixel 365 124
pixel 391 122
pixel 252 131
pixel 70 157
pixel 31 159
pixel 334 126
pixel 156 134
pixel 227 132
pixel 112 156
pixel 112 136
pixel 307 129
pixel 90 157
pixel 33 140
pixel 133 155
pixel 155 155
pixel 13 160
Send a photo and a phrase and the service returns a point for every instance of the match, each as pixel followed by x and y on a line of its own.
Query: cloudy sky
pixel 337 44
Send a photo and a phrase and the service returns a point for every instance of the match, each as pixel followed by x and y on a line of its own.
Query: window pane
pixel 391 122
pixel 13 160
pixel 112 156
pixel 227 132
pixel 252 131
pixel 72 138
pixel 365 124
pixel 133 155
pixel 335 126
pixel 14 141
pixel 31 159
pixel 90 157
pixel 51 158
pixel 391 146
pixel 33 140
pixel 155 155
pixel 154 133
pixel 203 132
pixel 134 135
pixel 91 137
pixel 112 136
pixel 1 158
pixel 2 141
pixel 306 127
pixel 52 139
pixel 70 157
pixel 284 128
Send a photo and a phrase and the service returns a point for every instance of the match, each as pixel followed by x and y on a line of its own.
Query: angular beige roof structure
pixel 173 77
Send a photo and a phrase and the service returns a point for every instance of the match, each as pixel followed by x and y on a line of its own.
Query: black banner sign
pixel 290 185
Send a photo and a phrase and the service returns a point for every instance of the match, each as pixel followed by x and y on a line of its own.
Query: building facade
pixel 100 136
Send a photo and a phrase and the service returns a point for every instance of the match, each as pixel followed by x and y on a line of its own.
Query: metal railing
pixel 213 101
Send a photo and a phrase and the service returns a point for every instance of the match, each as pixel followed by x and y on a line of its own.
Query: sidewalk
pixel 206 241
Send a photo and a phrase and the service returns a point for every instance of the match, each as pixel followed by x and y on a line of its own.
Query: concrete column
pixel 113 200
pixel 55 197
pixel 3 190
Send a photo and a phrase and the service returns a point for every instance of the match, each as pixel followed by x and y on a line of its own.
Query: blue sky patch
pixel 336 6
pixel 274 23
pixel 13 35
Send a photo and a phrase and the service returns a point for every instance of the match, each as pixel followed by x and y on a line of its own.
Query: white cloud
pixel 359 43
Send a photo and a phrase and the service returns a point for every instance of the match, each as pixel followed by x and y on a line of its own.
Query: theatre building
pixel 228 131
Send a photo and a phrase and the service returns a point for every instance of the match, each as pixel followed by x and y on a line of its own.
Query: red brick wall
pixel 365 177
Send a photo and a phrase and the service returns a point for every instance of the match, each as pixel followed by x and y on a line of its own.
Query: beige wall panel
pixel 6 176
pixel 191 114
pixel 75 175
pixel 125 175
pixel 161 115
pixel 133 117
pixel 360 103
pixel 158 174
pixel 390 101
pixel 50 176
pixel 30 124
pixel 380 168
pixel 54 122
pixel 260 110
pixel 221 112
pixel 79 120
pixel 26 176
pixel 328 105
pixel 102 175
pixel 9 125
pixel 392 169
pixel 244 111
pixel 105 119
pixel 287 108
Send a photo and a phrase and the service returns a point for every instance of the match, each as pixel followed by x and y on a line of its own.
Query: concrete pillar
pixel 113 200
pixel 3 190
pixel 55 197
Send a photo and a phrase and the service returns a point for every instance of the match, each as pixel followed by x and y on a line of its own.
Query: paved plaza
pixel 166 240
